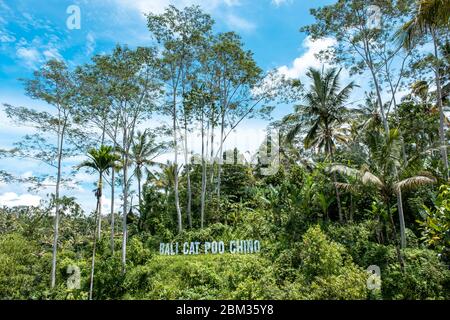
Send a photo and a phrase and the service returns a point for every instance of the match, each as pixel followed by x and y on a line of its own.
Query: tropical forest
pixel 343 193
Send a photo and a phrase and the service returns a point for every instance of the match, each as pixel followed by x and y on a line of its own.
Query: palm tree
pixel 101 160
pixel 431 15
pixel 143 152
pixel 322 114
pixel 164 179
pixel 379 172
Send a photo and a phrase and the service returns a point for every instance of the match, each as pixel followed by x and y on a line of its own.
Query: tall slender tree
pixel 54 84
pixel 182 34
pixel 323 114
pixel 133 90
pixel 235 74
pixel 362 37
pixel 101 160
pixel 432 17
pixel 143 153
pixel 379 171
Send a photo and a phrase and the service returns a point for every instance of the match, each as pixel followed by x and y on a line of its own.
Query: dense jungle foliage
pixel 354 187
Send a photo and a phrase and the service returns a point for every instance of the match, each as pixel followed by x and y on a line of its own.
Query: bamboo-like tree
pixel 101 160
pixel 322 115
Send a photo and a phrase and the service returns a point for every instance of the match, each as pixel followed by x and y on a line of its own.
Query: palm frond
pixel 351 172
pixel 311 135
pixel 414 182
pixel 293 132
pixel 347 187
pixel 369 178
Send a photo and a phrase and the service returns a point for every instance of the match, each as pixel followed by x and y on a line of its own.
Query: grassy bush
pixel 425 277
pixel 224 276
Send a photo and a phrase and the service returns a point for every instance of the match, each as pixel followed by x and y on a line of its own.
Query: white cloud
pixel 35 53
pixel 52 53
pixel 26 175
pixel 106 205
pixel 12 199
pixel 239 23
pixel 308 58
pixel 90 43
pixel 158 6
pixel 278 3
pixel 6 37
pixel 4 6
pixel 30 56
pixel 232 3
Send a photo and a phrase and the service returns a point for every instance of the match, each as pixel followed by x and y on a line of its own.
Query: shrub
pixel 355 237
pixel 324 270
pixel 202 277
pixel 20 270
pixel 425 277
pixel 319 256
pixel 349 284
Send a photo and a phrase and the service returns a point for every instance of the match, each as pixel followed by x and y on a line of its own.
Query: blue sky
pixel 32 31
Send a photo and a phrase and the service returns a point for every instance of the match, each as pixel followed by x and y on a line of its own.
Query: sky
pixel 33 31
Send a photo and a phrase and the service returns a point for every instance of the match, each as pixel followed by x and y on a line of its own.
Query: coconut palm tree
pixel 101 160
pixel 379 172
pixel 163 180
pixel 322 115
pixel 430 17
pixel 144 150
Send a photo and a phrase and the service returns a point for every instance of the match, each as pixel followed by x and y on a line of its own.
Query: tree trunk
pixel 139 191
pixel 380 102
pixel 399 253
pixel 187 164
pixel 141 217
pixel 101 144
pixel 98 214
pixel 113 188
pixel 56 225
pixel 442 139
pixel 219 173
pixel 113 181
pixel 402 220
pixel 212 161
pixel 203 194
pixel 351 207
pixel 99 230
pixel 177 196
pixel 338 197
pixel 125 204
pixel 386 128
